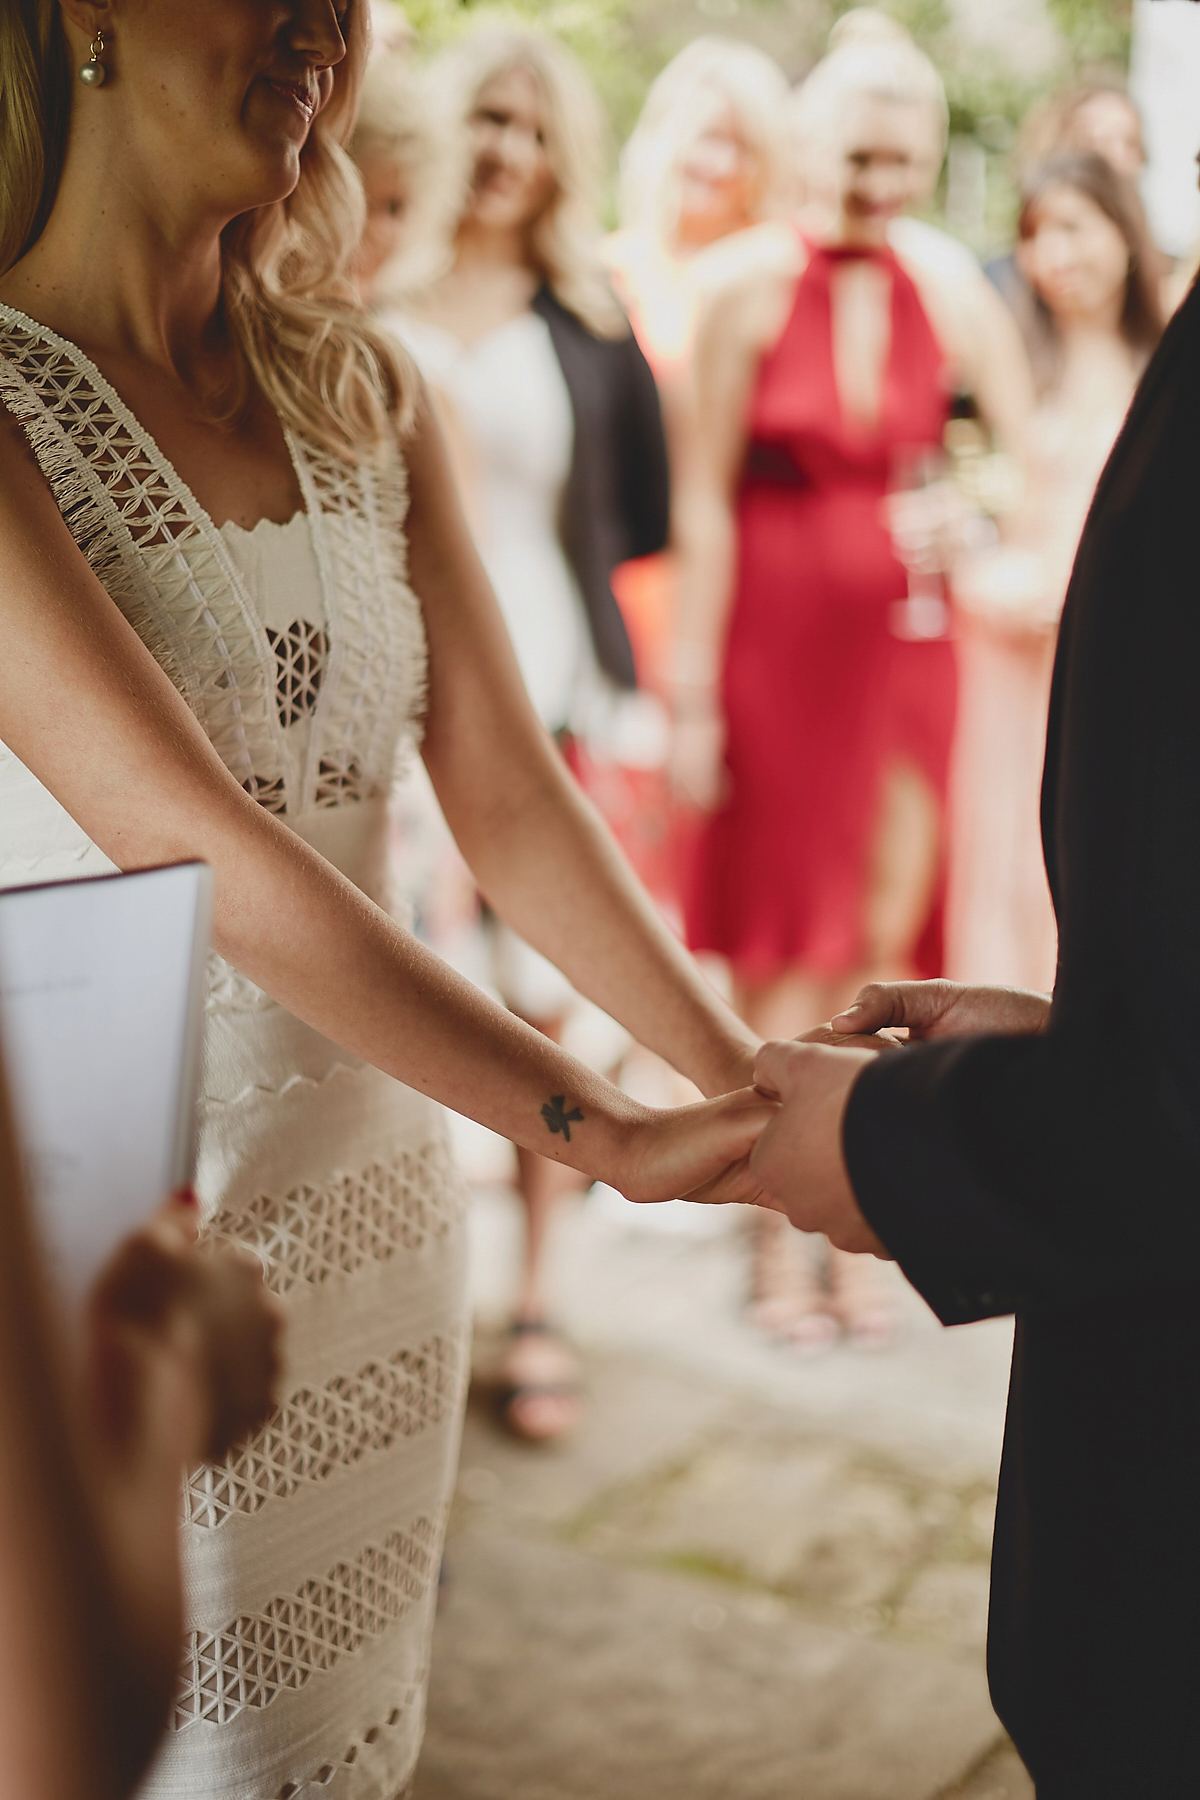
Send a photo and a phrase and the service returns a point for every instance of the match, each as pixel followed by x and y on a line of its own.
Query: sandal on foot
pixel 860 1300
pixel 786 1298
pixel 520 1405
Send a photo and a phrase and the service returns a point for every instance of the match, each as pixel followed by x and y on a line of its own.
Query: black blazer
pixel 616 504
pixel 1059 1176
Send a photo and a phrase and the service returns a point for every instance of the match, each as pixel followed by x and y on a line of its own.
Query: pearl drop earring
pixel 93 72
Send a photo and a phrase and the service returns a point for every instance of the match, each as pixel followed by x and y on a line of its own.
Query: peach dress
pixel 1000 921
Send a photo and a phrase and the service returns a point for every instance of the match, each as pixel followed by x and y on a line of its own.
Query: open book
pixel 101 1015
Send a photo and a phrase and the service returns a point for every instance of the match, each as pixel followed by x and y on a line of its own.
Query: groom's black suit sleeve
pixel 1012 1174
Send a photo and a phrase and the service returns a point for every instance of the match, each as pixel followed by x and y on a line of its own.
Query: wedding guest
pixel 217 480
pixel 176 1362
pixel 708 161
pixel 1041 1157
pixel 413 174
pixel 1096 117
pixel 813 721
pixel 391 32
pixel 566 475
pixel 709 158
pixel 1084 251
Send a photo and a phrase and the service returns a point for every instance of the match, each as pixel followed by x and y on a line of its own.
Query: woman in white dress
pixel 215 480
pixel 563 465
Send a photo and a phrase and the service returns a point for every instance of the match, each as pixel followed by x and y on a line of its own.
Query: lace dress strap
pixel 168 568
pixel 149 542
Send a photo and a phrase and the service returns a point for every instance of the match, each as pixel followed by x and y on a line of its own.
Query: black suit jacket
pixel 616 504
pixel 1059 1176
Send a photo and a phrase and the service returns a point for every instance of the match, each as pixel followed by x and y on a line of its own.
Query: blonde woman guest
pixel 217 481
pixel 710 156
pixel 1083 249
pixel 709 160
pixel 812 726
pixel 564 437
pixel 413 168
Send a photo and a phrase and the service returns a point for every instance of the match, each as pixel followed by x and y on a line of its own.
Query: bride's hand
pixel 697 1152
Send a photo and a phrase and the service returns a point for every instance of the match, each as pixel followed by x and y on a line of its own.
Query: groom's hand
pixel 940 1009
pixel 798 1159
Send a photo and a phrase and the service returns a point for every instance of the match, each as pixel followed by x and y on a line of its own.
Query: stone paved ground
pixel 751 1577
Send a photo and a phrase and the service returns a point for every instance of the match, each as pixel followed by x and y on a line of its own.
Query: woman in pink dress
pixel 1084 252
pixel 814 705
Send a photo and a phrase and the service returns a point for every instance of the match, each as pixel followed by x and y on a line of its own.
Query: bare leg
pixel 540 1373
pixel 903 872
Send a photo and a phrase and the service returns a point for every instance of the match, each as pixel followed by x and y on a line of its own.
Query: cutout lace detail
pixel 298 1790
pixel 300 659
pixel 360 679
pixel 376 667
pixel 313 1234
pixel 341 781
pixel 296 1636
pixel 321 1430
pixel 271 795
pixel 145 538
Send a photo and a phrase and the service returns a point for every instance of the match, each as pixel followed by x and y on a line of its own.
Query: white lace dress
pixel 312 1554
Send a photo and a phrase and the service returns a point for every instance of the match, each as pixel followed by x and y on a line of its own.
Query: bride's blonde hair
pixel 341 384
pixel 565 239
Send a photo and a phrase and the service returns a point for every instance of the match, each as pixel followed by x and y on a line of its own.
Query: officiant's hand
pixel 940 1009
pixel 798 1159
pixel 182 1358
pixel 184 1342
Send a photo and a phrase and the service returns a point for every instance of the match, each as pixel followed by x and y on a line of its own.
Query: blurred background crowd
pixel 776 351
pixel 777 354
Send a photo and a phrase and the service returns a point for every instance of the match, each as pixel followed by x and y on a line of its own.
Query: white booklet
pixel 101 1018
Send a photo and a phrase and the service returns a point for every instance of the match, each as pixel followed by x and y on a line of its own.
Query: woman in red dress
pixel 815 703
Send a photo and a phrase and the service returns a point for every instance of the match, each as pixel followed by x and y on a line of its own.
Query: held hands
pixel 697 1152
pixel 798 1158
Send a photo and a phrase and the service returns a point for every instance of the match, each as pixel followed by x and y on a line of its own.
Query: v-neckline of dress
pixel 860 435
pixel 465 348
pixel 157 456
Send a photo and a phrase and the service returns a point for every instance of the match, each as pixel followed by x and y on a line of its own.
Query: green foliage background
pixel 624 43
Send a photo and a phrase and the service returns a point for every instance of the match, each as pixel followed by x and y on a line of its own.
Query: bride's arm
pixel 90 713
pixel 540 851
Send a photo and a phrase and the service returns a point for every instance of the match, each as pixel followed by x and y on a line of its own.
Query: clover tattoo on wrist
pixel 558 1118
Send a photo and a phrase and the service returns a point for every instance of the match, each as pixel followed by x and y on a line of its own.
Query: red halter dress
pixel 820 697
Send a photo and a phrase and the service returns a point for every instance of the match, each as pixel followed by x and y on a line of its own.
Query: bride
pixel 217 483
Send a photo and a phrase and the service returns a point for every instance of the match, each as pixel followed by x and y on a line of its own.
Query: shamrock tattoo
pixel 558 1118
